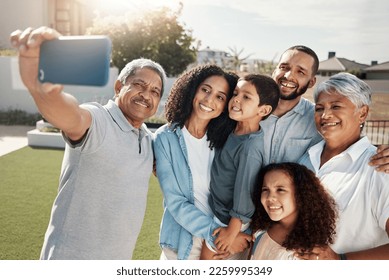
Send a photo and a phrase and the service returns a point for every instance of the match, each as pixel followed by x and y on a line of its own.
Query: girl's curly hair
pixel 317 211
pixel 178 107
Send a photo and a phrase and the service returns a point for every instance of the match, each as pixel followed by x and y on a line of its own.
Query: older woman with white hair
pixel 341 163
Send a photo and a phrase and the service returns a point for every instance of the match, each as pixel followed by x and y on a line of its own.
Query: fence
pixel 377 131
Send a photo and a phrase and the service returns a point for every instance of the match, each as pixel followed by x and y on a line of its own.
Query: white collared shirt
pixel 361 193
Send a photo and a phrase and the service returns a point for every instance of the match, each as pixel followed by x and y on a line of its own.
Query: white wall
pixel 20 14
pixel 14 95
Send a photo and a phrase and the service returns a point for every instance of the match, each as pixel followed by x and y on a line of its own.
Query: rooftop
pixel 340 64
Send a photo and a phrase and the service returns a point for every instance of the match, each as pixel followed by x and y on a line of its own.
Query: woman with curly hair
pixel 184 148
pixel 294 213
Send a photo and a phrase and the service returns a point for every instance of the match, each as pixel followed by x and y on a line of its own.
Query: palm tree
pixel 236 59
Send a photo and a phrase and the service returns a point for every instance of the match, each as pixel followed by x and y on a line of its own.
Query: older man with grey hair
pixel 108 160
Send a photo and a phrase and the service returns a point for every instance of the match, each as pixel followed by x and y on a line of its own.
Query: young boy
pixel 237 164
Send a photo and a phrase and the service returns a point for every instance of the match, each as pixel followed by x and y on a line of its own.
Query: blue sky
pixel 354 29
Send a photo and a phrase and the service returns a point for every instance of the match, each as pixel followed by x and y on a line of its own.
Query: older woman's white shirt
pixel 361 193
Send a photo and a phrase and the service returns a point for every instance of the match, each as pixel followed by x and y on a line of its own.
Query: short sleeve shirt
pixel 99 209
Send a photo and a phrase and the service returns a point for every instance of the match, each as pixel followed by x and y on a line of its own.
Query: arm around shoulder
pixel 381 159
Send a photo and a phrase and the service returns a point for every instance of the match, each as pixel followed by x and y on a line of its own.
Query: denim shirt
pixel 181 219
pixel 288 137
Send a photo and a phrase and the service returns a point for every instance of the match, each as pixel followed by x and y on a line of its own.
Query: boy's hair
pixel 267 89
pixel 316 221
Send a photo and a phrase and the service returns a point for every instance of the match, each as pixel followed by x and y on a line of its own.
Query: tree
pixel 236 59
pixel 155 34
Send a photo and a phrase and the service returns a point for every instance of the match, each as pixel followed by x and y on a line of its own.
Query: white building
pixel 69 17
pixel 213 56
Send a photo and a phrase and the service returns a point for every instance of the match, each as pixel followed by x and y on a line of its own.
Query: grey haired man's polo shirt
pixel 101 201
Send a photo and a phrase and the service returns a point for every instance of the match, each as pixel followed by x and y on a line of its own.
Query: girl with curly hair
pixel 294 213
pixel 184 148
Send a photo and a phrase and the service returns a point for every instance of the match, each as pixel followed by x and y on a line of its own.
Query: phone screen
pixel 75 60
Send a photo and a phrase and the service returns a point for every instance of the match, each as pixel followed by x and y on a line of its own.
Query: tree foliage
pixel 155 34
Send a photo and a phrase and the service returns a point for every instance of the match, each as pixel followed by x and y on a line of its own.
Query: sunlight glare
pixel 115 7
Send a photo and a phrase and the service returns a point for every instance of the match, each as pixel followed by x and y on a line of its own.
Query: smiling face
pixel 338 120
pixel 244 105
pixel 278 197
pixel 139 97
pixel 210 98
pixel 294 74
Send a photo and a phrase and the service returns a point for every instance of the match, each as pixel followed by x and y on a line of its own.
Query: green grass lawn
pixel 28 186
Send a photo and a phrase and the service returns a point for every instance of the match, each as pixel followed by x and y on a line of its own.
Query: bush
pixel 19 117
pixel 8 52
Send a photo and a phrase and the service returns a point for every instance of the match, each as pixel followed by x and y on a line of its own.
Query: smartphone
pixel 75 60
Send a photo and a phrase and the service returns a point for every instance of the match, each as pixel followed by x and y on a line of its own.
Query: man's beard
pixel 295 94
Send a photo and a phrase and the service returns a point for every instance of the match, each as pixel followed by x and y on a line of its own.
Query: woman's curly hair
pixel 179 107
pixel 317 211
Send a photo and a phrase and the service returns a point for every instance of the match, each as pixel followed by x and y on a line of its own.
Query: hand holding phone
pixel 75 60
